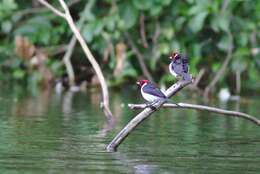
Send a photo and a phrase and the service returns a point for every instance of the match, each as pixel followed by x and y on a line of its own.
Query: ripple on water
pixel 58 137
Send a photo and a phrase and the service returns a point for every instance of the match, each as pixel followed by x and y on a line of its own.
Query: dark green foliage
pixel 199 28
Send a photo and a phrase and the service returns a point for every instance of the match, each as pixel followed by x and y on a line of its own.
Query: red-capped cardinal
pixel 150 91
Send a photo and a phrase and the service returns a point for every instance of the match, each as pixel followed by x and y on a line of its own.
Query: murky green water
pixel 50 133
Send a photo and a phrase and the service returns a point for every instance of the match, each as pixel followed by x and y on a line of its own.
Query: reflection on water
pixel 67 133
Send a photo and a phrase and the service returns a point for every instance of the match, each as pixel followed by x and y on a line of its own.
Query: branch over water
pixel 203 108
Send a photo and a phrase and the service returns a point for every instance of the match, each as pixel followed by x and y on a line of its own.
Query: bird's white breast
pixel 171 70
pixel 148 97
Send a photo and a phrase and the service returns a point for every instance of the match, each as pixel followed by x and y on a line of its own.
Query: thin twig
pixel 67 61
pixel 196 82
pixel 154 53
pixel 53 9
pixel 238 82
pixel 140 57
pixel 156 32
pixel 202 108
pixel 92 60
pixel 223 68
pixel 224 6
pixel 105 104
pixel 28 11
pixel 199 77
pixel 142 31
pixel 71 46
pixel 119 138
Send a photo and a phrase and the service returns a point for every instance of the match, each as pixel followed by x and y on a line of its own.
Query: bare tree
pixel 66 15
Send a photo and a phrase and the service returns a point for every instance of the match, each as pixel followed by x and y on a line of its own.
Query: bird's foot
pixel 153 108
pixel 151 105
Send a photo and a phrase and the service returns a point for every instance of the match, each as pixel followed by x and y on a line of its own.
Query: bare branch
pixel 53 9
pixel 119 138
pixel 105 104
pixel 224 6
pixel 199 77
pixel 156 32
pixel 203 108
pixel 140 58
pixel 223 68
pixel 92 60
pixel 71 46
pixel 28 11
pixel 67 62
pixel 142 31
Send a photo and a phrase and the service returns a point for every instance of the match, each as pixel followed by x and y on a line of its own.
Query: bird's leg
pixel 151 104
pixel 148 104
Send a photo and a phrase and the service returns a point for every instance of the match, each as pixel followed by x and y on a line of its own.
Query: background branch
pixel 142 31
pixel 33 10
pixel 92 60
pixel 67 61
pixel 53 9
pixel 71 46
pixel 203 108
pixel 223 68
pixel 140 57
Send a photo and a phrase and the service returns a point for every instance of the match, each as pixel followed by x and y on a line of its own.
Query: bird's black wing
pixel 152 89
pixel 185 64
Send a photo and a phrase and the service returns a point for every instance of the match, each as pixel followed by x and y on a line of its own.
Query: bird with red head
pixel 150 91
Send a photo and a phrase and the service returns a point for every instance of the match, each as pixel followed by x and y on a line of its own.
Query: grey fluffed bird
pixel 179 66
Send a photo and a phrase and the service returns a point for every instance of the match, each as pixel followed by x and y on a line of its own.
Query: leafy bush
pixel 200 28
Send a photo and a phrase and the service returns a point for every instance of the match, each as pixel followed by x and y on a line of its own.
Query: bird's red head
pixel 141 82
pixel 174 55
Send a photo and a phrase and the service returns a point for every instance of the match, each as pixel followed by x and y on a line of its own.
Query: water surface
pixel 67 133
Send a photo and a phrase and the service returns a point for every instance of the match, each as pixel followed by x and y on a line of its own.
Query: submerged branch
pixel 203 108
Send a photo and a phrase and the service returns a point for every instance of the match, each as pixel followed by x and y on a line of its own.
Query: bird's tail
pixel 187 76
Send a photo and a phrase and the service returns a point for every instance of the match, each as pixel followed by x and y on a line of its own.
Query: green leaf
pixel 129 14
pixel 38 29
pixel 168 32
pixel 224 43
pixel 6 26
pixel 216 66
pixel 196 10
pixel 165 2
pixel 18 74
pixel 243 39
pixel 164 48
pixel 156 10
pixel 238 65
pixel 92 29
pixel 110 22
pixel 6 8
pixel 196 23
pixel 143 5
pixel 220 22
